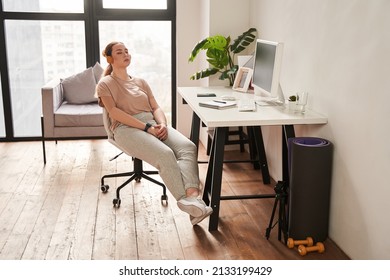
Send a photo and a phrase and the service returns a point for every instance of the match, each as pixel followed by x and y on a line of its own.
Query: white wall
pixel 338 51
pixel 197 20
pixel 188 29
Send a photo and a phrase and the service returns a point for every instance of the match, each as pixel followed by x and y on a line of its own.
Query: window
pixel 53 6
pixel 2 125
pixel 135 4
pixel 55 49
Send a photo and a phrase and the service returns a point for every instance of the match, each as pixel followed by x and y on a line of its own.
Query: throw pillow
pixel 97 71
pixel 80 88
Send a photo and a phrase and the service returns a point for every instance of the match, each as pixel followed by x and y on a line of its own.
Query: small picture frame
pixel 243 79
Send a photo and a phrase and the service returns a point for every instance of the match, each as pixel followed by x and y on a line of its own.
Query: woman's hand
pixel 160 131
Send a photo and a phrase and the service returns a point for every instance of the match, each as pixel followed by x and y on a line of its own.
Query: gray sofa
pixel 69 108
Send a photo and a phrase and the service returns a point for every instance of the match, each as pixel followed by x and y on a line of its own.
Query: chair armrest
pixel 52 98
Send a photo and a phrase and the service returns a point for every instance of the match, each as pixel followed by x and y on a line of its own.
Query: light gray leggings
pixel 175 158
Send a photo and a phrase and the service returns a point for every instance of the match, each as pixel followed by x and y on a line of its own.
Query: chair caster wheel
pixel 116 202
pixel 138 179
pixel 104 188
pixel 164 198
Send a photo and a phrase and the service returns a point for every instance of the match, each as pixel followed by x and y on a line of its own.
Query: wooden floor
pixel 57 211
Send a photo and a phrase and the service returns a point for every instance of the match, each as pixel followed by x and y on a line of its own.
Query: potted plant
pixel 292 98
pixel 297 102
pixel 220 52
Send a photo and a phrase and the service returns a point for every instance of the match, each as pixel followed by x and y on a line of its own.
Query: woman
pixel 139 125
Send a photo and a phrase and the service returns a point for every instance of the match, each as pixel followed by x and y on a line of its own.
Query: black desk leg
pixel 261 153
pixel 195 128
pixel 209 174
pixel 215 172
pixel 288 132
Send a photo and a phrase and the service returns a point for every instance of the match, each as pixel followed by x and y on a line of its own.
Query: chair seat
pixel 85 115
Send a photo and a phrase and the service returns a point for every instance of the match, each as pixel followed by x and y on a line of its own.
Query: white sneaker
pixel 192 205
pixel 197 220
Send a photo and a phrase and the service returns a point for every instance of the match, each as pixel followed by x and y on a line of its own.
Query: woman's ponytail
pixel 108 70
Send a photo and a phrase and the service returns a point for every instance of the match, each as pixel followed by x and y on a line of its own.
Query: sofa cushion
pixel 97 71
pixel 70 115
pixel 80 88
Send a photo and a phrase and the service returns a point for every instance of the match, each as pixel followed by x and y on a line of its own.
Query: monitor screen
pixel 266 69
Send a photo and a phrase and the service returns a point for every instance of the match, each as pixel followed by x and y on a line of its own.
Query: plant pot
pixel 296 107
pixel 293 106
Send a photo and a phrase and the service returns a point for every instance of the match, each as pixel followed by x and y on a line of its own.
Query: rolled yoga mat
pixel 310 166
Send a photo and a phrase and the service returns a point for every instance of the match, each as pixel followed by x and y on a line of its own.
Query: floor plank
pixel 63 233
pixel 83 244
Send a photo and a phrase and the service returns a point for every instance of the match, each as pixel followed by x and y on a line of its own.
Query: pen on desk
pixel 219 101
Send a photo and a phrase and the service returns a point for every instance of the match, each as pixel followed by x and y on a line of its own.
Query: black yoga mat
pixel 310 167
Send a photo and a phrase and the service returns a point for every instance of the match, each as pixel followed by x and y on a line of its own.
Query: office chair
pixel 136 174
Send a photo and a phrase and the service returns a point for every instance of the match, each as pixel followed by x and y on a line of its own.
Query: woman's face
pixel 120 55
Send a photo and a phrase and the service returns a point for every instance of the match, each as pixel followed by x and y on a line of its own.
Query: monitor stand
pixel 264 100
pixel 280 98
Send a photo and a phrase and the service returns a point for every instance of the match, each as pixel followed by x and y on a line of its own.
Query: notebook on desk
pixel 218 104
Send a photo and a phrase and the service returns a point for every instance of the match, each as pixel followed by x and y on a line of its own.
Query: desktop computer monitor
pixel 266 70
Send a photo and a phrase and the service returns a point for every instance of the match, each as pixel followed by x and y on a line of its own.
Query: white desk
pixel 265 115
pixel 221 120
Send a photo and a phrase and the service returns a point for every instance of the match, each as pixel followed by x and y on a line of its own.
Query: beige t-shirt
pixel 131 96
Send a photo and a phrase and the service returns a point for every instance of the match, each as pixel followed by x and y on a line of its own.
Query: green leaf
pixel 244 40
pixel 233 70
pixel 198 47
pixel 204 73
pixel 224 75
pixel 292 98
pixel 217 58
pixel 229 73
pixel 218 42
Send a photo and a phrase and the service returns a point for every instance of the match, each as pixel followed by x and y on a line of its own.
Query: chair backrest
pixel 107 125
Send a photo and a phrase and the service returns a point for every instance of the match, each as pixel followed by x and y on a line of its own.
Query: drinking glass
pixel 301 101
